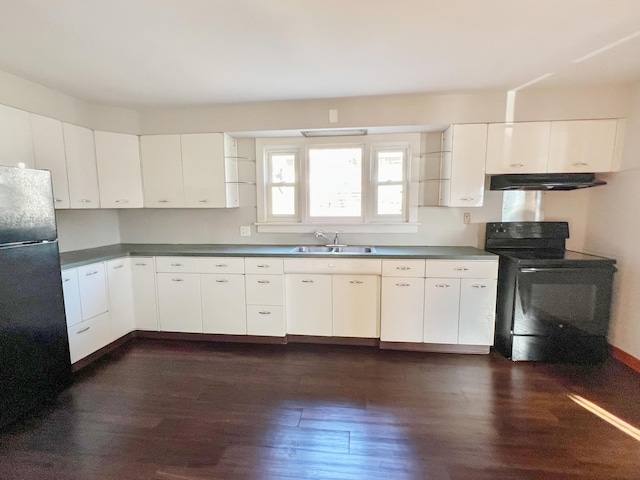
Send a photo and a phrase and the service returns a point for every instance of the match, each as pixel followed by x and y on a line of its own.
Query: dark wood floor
pixel 160 410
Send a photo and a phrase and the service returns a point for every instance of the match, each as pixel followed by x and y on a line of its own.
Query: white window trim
pixel 372 223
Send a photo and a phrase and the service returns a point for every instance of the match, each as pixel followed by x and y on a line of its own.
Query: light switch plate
pixel 245 231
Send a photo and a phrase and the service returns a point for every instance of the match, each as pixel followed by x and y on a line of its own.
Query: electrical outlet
pixel 245 231
pixel 467 218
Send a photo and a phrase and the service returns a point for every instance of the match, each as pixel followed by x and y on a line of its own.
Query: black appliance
pixel 34 348
pixel 553 304
pixel 544 181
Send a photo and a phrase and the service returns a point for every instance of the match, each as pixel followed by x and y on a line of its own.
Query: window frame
pixel 369 222
pixel 297 215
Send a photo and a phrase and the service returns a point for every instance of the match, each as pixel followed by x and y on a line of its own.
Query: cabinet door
pixel 441 310
pixel 71 292
pixel 468 150
pixel 179 302
pixel 119 171
pixel 89 336
pixel 308 304
pixel 203 168
pixel 402 307
pixel 48 148
pixel 92 281
pixel 223 304
pixel 144 293
pixel 356 306
pixel 265 289
pixel 16 145
pixel 120 283
pixel 518 147
pixel 162 171
pixel 582 146
pixel 82 172
pixel 477 311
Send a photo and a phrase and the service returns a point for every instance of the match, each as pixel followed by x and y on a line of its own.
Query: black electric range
pixel 553 304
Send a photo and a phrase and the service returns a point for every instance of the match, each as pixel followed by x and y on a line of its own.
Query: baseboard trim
pixel 210 337
pixel 354 341
pixel 436 348
pixel 629 360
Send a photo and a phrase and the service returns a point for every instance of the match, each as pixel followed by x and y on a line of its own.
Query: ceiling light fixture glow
pixel 334 132
pixel 607 47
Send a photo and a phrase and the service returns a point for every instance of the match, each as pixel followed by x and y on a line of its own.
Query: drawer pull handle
pixel 163 201
pixel 176 264
pixel 88 274
pixel 477 285
pixel 580 164
pixel 263 265
pixel 64 280
pixel 466 199
pixel 442 285
pixel 461 269
pixel 264 281
pixel 118 266
pixel 221 265
pixel 307 281
pixel 516 165
pixel 177 280
pixel 141 264
pixel 222 280
pixel 265 312
pixel 85 200
pixel 403 284
pixel 122 200
pixel 356 282
pixel 82 331
pixel 403 268
pixel 203 201
pixel 58 200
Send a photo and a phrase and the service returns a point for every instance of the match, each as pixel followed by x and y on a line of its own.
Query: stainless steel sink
pixel 354 249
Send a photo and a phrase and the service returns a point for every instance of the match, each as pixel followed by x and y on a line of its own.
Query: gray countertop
pixel 83 257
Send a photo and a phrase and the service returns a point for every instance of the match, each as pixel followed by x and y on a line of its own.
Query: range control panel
pixel 516 230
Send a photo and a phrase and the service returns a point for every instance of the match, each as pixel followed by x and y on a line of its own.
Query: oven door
pixel 563 301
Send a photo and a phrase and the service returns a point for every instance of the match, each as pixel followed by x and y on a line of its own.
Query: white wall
pixel 79 229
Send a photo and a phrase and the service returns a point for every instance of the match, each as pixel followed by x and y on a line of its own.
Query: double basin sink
pixel 352 249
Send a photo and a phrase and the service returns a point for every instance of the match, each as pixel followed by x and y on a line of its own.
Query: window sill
pixel 296 227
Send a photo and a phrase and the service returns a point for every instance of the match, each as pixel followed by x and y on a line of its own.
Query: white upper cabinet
pixel 518 147
pixel 119 170
pixel 48 147
pixel 16 146
pixel 162 171
pixel 206 169
pixel 582 146
pixel 81 167
pixel 466 147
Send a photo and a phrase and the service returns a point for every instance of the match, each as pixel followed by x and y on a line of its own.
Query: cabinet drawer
pixel 462 269
pixel 177 264
pixel 221 264
pixel 92 281
pixel 265 289
pixel 263 265
pixel 88 337
pixel 403 268
pixel 333 266
pixel 266 320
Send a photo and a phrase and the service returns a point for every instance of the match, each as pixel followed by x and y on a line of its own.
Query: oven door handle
pixel 560 269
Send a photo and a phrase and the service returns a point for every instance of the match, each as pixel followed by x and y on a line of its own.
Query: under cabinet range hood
pixel 544 181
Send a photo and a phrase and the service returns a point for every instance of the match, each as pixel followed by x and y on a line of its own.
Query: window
pixel 360 186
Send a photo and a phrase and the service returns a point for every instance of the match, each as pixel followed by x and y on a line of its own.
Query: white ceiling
pixel 146 53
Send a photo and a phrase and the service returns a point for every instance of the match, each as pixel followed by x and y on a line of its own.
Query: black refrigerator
pixel 34 348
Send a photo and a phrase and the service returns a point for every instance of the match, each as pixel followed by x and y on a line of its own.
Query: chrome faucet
pixel 336 240
pixel 319 234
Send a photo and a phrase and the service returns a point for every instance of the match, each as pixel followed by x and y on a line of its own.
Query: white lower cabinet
pixel 402 307
pixel 143 276
pixel 121 307
pixel 441 310
pixel 266 320
pixel 356 306
pixel 477 311
pixel 94 297
pixel 71 292
pixel 89 336
pixel 308 304
pixel 179 302
pixel 264 282
pixel 223 304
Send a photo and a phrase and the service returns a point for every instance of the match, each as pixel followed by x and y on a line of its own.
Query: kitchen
pixel 586 211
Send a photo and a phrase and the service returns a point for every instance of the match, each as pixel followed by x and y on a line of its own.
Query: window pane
pixel 390 166
pixel 283 200
pixel 390 200
pixel 283 168
pixel 335 182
